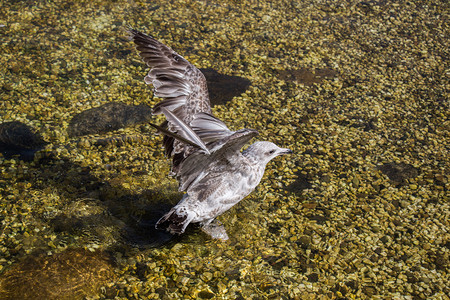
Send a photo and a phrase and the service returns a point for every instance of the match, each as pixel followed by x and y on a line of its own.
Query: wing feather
pixel 184 130
pixel 181 85
pixel 209 128
pixel 172 76
pixel 174 135
pixel 194 166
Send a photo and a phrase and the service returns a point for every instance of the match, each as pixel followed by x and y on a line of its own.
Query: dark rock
pixel 222 88
pixel 440 179
pixel 325 178
pixel 275 228
pixel 398 173
pixel 205 295
pixel 17 138
pixel 352 284
pixel 343 289
pixel 161 291
pixel 385 239
pixel 441 261
pixel 108 117
pixel 369 290
pixel 7 87
pixel 72 274
pixel 359 122
pixel 318 218
pixel 233 274
pixel 305 241
pixel 396 203
pixel 412 278
pixel 313 277
pixel 277 262
pixel 374 258
pixel 142 270
pixel 366 7
pixel 447 244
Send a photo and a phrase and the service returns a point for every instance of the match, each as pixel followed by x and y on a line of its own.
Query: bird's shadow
pixel 132 216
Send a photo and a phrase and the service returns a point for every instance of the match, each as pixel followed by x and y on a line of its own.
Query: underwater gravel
pixel 358 90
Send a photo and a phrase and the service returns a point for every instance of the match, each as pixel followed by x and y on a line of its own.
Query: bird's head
pixel 263 152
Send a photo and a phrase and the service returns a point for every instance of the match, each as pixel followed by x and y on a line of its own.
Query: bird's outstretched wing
pixel 195 165
pixel 222 144
pixel 174 78
pixel 185 134
pixel 181 85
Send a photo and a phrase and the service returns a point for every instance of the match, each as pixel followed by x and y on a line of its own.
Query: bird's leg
pixel 215 229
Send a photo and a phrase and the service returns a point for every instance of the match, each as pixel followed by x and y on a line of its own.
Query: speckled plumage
pixel 207 160
pixel 181 85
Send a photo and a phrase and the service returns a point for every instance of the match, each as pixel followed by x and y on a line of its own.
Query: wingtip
pixel 248 131
pixel 130 31
pixel 136 34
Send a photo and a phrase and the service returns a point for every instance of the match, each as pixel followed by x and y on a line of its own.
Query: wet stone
pixel 398 173
pixel 72 274
pixel 352 284
pixel 313 277
pixel 441 261
pixel 17 138
pixel 275 228
pixel 277 262
pixel 223 88
pixel 369 290
pixel 233 274
pixel 305 241
pixel 108 117
pixel 142 270
pixel 359 122
pixel 205 295
pixel 318 218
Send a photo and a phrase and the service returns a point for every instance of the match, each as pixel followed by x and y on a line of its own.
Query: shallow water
pixel 358 90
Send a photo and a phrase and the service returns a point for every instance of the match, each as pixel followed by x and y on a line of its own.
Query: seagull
pixel 206 155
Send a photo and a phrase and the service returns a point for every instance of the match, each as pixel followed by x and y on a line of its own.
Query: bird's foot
pixel 216 230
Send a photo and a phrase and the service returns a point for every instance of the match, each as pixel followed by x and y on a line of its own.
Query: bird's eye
pixel 271 152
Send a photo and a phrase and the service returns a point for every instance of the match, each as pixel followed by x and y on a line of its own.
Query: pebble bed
pixel 359 90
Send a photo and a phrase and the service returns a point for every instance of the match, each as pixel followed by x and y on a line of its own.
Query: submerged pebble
pixel 72 274
pixel 398 172
pixel 19 139
pixel 108 117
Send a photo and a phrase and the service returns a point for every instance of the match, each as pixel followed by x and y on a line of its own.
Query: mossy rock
pixel 72 274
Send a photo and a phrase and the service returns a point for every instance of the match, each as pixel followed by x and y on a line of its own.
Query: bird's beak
pixel 286 151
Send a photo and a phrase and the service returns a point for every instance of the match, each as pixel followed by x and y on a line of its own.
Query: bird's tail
pixel 175 221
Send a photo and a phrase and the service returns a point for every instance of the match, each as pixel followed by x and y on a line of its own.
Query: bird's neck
pixel 259 169
pixel 252 159
pixel 255 163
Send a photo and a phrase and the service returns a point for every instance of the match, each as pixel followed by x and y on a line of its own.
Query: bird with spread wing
pixel 206 156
